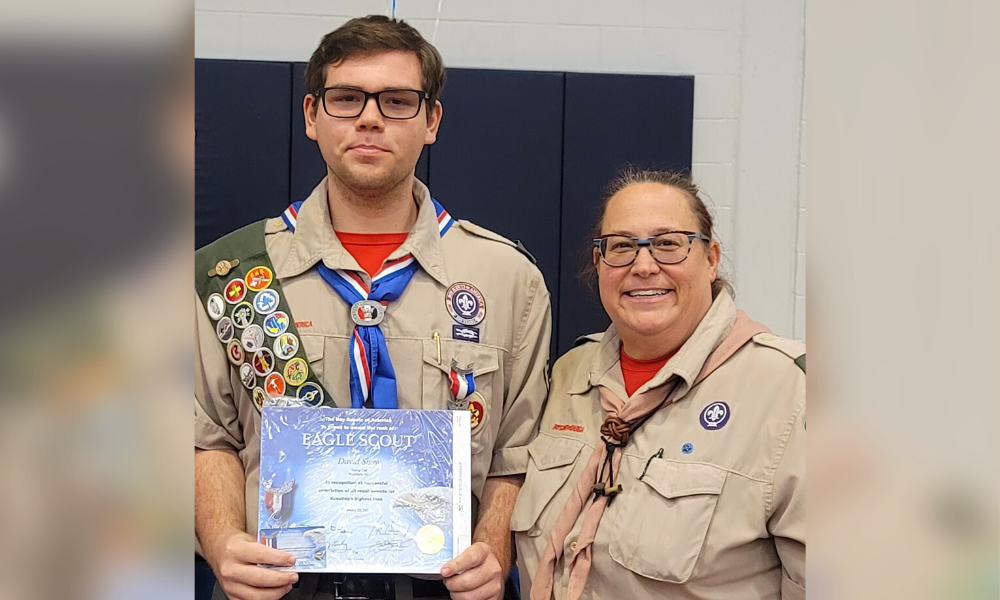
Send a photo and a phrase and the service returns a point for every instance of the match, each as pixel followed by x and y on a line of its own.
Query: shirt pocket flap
pixel 677 479
pixel 552 462
pixel 313 346
pixel 556 452
pixel 482 358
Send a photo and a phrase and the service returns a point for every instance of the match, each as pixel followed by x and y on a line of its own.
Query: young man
pixel 472 301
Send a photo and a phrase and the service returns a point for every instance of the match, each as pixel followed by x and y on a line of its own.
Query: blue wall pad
pixel 611 120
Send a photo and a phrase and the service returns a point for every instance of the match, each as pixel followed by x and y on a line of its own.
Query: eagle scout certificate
pixel 363 490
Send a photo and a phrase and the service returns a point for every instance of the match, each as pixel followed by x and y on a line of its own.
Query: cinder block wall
pixel 746 56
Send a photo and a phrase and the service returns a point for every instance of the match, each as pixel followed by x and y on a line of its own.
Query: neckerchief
pixel 373 380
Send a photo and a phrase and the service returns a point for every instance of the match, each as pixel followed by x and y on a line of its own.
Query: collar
pixel 687 363
pixel 314 238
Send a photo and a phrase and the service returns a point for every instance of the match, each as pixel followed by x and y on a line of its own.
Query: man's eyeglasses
pixel 666 248
pixel 348 103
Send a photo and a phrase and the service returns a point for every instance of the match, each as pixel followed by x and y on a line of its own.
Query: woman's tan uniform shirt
pixel 721 518
pixel 508 363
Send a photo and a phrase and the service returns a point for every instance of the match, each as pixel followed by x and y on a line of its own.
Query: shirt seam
pixel 782 446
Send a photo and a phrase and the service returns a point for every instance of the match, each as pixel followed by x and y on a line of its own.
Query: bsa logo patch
pixel 276 324
pixel 715 415
pixel 236 291
pixel 266 301
pixel 274 385
pixel 310 393
pixel 465 304
pixel 296 371
pixel 259 278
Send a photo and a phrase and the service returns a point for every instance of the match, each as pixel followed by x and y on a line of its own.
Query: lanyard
pixel 373 380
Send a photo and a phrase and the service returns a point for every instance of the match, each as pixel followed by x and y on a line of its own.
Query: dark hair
pixel 374 34
pixel 679 180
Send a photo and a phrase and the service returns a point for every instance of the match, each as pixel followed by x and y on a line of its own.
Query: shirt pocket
pixel 313 347
pixel 552 462
pixel 487 375
pixel 660 525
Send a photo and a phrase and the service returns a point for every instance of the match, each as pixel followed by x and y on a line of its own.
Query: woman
pixel 670 461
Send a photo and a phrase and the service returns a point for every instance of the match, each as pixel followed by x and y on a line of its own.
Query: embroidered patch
pixel 465 304
pixel 715 415
pixel 468 334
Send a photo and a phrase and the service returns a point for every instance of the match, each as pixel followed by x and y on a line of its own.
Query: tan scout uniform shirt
pixel 726 520
pixel 508 362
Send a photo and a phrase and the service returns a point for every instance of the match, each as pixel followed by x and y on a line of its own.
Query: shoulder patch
pixel 583 339
pixel 790 348
pixel 482 232
pixel 274 225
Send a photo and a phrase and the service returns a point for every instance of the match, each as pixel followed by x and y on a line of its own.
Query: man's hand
pixel 235 563
pixel 475 574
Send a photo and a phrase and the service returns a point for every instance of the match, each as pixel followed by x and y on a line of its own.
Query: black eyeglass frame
pixel 601 243
pixel 368 95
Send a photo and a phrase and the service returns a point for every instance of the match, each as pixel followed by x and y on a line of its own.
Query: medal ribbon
pixel 373 380
pixel 462 382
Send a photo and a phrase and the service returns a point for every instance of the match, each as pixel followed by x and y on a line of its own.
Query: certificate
pixel 365 491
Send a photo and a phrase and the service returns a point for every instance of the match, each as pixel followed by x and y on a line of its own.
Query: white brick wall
pixel 746 56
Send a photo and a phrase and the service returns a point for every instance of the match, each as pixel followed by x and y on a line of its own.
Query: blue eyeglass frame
pixel 600 243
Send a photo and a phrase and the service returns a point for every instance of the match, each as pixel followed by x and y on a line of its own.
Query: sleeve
pixel 216 419
pixel 787 521
pixel 528 385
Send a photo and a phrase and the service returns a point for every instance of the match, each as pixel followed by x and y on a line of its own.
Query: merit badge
pixel 235 352
pixel 465 304
pixel 263 362
pixel 478 412
pixel 253 338
pixel 223 267
pixel 247 376
pixel 259 278
pixel 266 301
pixel 276 324
pixel 259 397
pixel 311 393
pixel 236 291
pixel 225 330
pixel 242 315
pixel 468 334
pixel 215 307
pixel 286 346
pixel 715 415
pixel 296 371
pixel 367 313
pixel 274 385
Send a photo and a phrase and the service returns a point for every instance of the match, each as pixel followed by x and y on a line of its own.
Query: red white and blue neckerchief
pixel 373 380
pixel 462 382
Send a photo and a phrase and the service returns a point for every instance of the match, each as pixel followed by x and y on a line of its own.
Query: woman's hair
pixel 679 180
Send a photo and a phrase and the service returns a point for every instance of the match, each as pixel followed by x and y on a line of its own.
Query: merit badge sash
pixel 235 281
pixel 373 380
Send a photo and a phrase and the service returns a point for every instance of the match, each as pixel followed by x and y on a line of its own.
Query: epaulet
pixel 790 348
pixel 274 225
pixel 583 339
pixel 496 237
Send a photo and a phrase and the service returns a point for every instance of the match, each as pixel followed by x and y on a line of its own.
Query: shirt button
pixel 767 337
pixel 572 547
